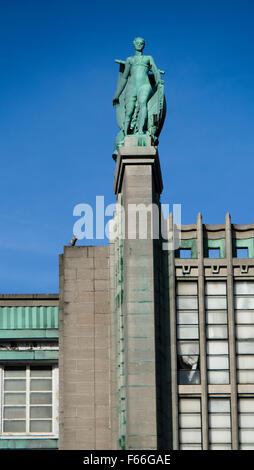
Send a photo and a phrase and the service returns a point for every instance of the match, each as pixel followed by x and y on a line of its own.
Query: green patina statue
pixel 139 98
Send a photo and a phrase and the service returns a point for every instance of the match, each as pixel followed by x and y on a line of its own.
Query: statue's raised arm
pixel 122 83
pixel 139 98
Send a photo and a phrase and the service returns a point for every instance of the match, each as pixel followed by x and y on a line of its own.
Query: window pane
pixel 15 385
pixel 40 426
pixel 245 362
pixel 245 377
pixel 245 331
pixel 243 303
pixel 218 377
pixel 215 288
pixel 12 412
pixel 245 347
pixel 219 436
pixel 37 384
pixel 187 303
pixel 186 348
pixel 14 398
pixel 189 405
pixel 190 435
pixel 246 421
pixel 190 447
pixel 14 426
pixel 220 447
pixel 219 421
pixel 217 362
pixel 244 287
pixel 190 318
pixel 187 377
pixel 217 347
pixel 243 316
pixel 15 372
pixel 246 405
pixel 186 288
pixel 44 371
pixel 216 303
pixel 41 398
pixel 217 405
pixel 246 436
pixel 217 331
pixel 216 317
pixel 188 332
pixel 190 420
pixel 40 411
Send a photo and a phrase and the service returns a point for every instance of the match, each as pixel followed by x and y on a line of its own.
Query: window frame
pixel 55 402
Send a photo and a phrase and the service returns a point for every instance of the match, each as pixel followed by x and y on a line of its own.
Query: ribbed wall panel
pixel 29 317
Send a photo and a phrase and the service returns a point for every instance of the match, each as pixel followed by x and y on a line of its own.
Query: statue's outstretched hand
pixel 115 101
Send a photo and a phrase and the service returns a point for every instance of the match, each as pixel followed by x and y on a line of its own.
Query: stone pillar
pixel 138 181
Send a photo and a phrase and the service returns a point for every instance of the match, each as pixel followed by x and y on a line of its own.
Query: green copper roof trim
pixel 243 243
pixel 28 355
pixel 29 334
pixel 190 244
pixel 29 443
pixel 220 244
pixel 28 317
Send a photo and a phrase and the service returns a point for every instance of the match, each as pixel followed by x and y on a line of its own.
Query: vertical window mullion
pixel 54 399
pixel 187 325
pixel 190 435
pixel 27 398
pixel 1 400
pixel 217 332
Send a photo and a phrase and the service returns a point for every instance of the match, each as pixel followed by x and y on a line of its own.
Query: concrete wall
pixel 84 336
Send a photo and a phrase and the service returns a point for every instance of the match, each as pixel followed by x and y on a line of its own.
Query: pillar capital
pixel 136 155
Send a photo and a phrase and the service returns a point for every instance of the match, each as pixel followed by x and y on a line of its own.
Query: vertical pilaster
pixel 202 332
pixel 231 333
pixel 138 179
pixel 173 344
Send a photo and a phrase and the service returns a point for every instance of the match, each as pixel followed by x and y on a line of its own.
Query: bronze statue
pixel 139 98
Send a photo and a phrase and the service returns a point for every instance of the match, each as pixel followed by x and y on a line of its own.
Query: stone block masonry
pixel 84 362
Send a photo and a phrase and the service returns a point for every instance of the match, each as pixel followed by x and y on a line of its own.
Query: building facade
pixel 29 390
pixel 156 346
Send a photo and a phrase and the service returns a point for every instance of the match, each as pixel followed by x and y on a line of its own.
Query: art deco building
pixel 156 346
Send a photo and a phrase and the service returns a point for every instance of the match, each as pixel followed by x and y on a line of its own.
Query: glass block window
pixel 219 424
pixel 190 437
pixel 244 318
pixel 217 332
pixel 246 423
pixel 29 400
pixel 187 333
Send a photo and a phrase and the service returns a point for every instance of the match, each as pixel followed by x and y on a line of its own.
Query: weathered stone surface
pixel 84 358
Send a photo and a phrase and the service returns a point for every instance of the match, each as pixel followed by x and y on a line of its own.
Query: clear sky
pixel 57 123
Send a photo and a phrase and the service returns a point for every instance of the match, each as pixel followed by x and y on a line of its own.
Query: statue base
pixel 140 140
pixel 137 140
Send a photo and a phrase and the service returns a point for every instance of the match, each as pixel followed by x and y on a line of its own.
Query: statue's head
pixel 139 44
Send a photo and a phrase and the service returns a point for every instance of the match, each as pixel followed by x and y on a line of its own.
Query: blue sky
pixel 57 123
